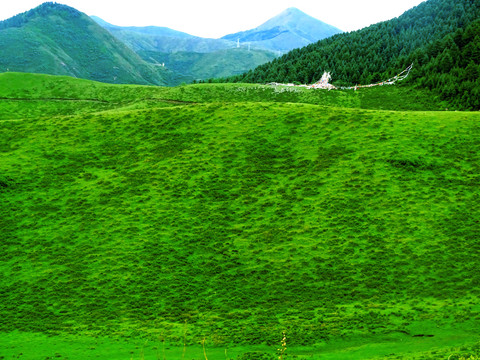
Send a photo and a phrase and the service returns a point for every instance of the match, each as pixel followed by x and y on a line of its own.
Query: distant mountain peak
pixel 290 29
pixel 292 16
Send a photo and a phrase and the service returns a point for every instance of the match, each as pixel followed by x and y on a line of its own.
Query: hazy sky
pixel 215 18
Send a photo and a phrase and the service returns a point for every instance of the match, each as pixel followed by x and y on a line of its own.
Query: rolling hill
pixel 143 222
pixel 289 30
pixel 57 39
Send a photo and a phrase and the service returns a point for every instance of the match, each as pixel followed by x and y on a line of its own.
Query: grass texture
pixel 133 217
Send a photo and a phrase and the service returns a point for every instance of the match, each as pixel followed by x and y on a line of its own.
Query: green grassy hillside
pixel 201 66
pixel 137 219
pixel 57 39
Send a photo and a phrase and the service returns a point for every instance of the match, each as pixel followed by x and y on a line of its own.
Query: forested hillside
pixel 420 35
pixel 451 66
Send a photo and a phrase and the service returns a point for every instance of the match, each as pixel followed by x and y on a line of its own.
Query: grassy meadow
pixel 142 222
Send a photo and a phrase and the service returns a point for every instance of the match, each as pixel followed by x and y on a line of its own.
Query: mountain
pixel 57 39
pixel 163 39
pixel 382 50
pixel 289 30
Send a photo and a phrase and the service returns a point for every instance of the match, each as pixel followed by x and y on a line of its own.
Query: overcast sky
pixel 216 18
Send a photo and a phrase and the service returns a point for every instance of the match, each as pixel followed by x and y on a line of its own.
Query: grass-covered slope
pixel 162 214
pixel 45 95
pixel 57 39
pixel 200 66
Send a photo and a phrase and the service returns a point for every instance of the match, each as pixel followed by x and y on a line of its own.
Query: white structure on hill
pixel 323 83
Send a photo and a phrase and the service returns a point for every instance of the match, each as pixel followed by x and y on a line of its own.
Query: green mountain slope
pixel 201 66
pixel 231 213
pixel 289 30
pixel 57 39
pixel 377 52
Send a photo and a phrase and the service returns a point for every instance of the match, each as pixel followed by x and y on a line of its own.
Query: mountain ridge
pixel 147 30
pixel 162 39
